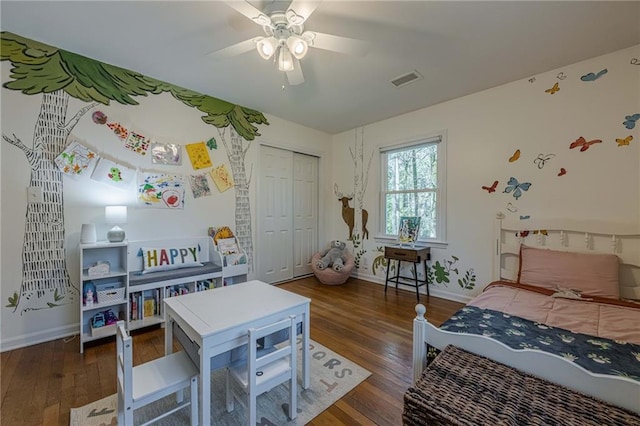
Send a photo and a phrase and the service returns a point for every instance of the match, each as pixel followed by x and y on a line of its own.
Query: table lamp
pixel 115 215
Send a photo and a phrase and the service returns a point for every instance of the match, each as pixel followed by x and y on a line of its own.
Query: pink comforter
pixel 600 317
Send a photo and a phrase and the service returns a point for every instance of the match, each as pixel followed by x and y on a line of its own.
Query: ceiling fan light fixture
pixel 285 60
pixel 266 47
pixel 297 46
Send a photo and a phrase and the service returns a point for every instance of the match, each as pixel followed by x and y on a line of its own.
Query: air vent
pixel 405 79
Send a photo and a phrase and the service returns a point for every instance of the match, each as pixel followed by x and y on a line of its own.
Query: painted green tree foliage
pixel 58 75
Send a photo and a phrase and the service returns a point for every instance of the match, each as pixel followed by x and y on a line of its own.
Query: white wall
pixel 485 129
pixel 160 117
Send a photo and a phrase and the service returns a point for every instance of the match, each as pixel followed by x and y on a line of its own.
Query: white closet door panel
pixel 305 212
pixel 275 256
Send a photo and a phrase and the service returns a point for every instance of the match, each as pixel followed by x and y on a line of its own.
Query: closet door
pixel 275 255
pixel 305 212
pixel 287 214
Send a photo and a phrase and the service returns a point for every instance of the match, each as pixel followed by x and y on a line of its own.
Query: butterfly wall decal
pixel 542 160
pixel 515 188
pixel 625 141
pixel 525 217
pixel 630 121
pixel 583 144
pixel 511 208
pixel 492 188
pixel 635 61
pixel 515 156
pixel 554 89
pixel 593 77
pixel 561 76
pixel 562 171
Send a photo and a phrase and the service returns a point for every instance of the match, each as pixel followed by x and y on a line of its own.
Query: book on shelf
pixel 149 307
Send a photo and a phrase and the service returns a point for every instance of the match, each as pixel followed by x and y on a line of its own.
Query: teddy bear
pixel 334 256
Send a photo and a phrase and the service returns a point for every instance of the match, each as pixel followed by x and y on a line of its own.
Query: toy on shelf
pixel 89 294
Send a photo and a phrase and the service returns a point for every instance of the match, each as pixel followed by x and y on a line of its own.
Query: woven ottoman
pixel 460 388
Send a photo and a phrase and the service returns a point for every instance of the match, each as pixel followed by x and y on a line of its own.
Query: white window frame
pixel 440 139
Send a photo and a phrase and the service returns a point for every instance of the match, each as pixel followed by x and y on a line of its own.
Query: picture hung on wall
pixel 162 191
pixel 76 159
pixel 221 178
pixel 198 155
pixel 199 185
pixel 409 229
pixel 137 143
pixel 166 153
pixel 113 174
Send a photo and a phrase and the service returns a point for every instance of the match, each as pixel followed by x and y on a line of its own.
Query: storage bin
pixel 111 295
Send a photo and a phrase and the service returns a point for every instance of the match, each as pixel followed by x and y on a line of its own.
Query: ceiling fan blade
pixel 350 46
pixel 295 76
pixel 300 10
pixel 251 12
pixel 234 49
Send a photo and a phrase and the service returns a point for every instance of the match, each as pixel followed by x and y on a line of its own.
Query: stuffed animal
pixel 334 256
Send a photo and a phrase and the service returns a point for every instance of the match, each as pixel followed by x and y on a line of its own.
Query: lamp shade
pixel 297 46
pixel 115 214
pixel 267 47
pixel 285 61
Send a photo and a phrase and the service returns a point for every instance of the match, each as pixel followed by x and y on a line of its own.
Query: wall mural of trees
pixel 57 75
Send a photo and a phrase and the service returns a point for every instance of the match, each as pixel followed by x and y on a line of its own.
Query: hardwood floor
pixel 41 383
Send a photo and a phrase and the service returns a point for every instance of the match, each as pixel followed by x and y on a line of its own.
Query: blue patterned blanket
pixel 595 354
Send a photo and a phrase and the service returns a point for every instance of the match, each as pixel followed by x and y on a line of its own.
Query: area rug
pixel 332 376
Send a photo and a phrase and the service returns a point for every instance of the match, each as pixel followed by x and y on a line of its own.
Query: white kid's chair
pixel 143 384
pixel 265 368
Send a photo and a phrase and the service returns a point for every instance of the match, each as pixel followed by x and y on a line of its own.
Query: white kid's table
pixel 218 320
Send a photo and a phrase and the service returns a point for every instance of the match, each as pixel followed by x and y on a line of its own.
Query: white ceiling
pixel 459 48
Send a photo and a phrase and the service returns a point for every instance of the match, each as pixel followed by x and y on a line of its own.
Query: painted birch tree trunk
pixel 45 279
pixel 236 153
pixel 360 179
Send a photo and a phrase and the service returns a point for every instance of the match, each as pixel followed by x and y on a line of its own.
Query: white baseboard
pixel 39 337
pixel 433 290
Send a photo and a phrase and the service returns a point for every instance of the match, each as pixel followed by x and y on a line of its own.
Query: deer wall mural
pixel 348 213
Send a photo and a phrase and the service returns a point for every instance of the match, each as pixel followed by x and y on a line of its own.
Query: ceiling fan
pixel 285 39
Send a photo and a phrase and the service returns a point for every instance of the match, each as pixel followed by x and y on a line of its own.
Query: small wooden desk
pixel 414 255
pixel 218 320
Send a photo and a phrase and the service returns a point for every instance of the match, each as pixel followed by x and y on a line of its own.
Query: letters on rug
pixel 332 376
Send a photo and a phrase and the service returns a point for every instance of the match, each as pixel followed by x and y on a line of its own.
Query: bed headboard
pixel 622 240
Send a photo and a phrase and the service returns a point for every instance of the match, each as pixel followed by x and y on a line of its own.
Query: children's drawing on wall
pixel 56 75
pixel 137 143
pixel 594 76
pixel 166 153
pixel 515 156
pixel 630 121
pixel 554 89
pixel 76 159
pixel 515 188
pixel 199 185
pixel 212 144
pixel 198 155
pixel 624 142
pixel 491 189
pixel 221 177
pixel 161 191
pixel 114 174
pixel 583 143
pixel 542 159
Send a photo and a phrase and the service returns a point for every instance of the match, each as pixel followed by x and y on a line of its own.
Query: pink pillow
pixel 590 274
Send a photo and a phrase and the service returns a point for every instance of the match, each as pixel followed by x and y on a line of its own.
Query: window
pixel 413 184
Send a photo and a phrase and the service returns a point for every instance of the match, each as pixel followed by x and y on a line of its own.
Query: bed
pixel 560 310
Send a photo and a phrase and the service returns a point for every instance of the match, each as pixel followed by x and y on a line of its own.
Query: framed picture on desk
pixel 408 230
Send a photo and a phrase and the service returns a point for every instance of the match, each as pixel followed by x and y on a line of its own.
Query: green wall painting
pixel 57 75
